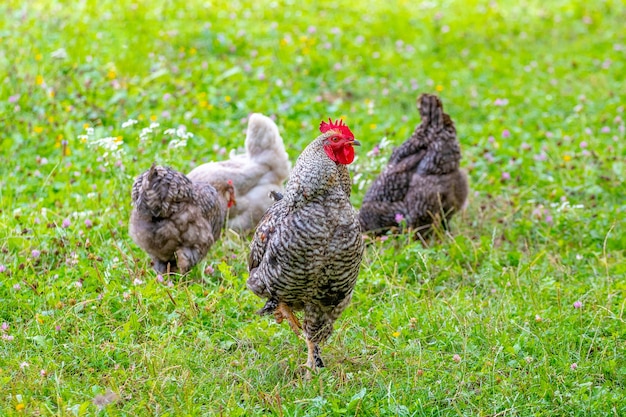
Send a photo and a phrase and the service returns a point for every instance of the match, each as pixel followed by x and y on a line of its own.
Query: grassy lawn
pixel 519 311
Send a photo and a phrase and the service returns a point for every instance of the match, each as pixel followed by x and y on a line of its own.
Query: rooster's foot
pixel 282 312
pixel 314 359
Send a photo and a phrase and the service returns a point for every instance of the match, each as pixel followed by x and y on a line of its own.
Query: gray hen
pixel 175 220
pixel 307 249
pixel 422 183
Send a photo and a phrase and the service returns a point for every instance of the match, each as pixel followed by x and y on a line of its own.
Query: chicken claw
pixel 282 312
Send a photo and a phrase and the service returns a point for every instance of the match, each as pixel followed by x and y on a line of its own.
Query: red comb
pixel 339 125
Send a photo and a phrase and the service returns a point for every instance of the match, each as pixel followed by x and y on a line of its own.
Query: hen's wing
pixel 207 199
pixel 212 209
pixel 387 195
pixel 160 190
pixel 264 232
pixel 393 183
pixel 413 146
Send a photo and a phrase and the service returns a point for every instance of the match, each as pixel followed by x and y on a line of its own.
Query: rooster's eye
pixel 334 139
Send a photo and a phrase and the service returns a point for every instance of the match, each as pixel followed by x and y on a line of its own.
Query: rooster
pixel 262 169
pixel 175 220
pixel 307 249
pixel 422 183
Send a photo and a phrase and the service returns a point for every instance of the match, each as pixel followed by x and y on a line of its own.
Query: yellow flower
pixel 227 98
pixel 50 119
pixel 51 93
pixel 181 49
pixel 59 137
pixel 153 118
pixel 67 151
pixel 373 126
pixel 20 406
pixel 118 139
pixel 283 42
pixel 83 140
pixel 567 158
pixel 395 334
pixel 141 117
pixel 39 319
pixel 38 57
pixel 38 129
pixel 439 88
pixel 203 103
pixel 39 80
pixel 86 126
pixel 192 51
pixel 111 74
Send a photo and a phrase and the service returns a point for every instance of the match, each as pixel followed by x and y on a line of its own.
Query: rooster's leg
pixel 283 311
pixel 314 359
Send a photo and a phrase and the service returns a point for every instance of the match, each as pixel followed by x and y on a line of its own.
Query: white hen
pixel 262 169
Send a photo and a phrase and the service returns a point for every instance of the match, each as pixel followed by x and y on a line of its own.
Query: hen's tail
pixel 431 112
pixel 263 137
pixel 158 191
pixel 275 195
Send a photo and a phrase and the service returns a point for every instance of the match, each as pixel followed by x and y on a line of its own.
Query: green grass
pixel 544 228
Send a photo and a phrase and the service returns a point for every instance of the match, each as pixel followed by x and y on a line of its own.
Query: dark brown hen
pixel 307 249
pixel 175 220
pixel 422 183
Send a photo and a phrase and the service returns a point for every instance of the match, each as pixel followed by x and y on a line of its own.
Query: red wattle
pixel 346 155
pixel 343 155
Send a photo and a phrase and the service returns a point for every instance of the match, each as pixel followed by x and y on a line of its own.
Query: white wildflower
pixel 60 53
pixel 370 107
pixel 111 145
pixel 565 206
pixel 128 123
pixel 181 135
pixel 143 135
pixel 177 143
pixel 384 142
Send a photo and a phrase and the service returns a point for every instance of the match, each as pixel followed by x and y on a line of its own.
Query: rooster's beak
pixel 356 143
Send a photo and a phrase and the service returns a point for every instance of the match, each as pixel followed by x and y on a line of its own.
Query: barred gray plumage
pixel 175 220
pixel 307 249
pixel 422 182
